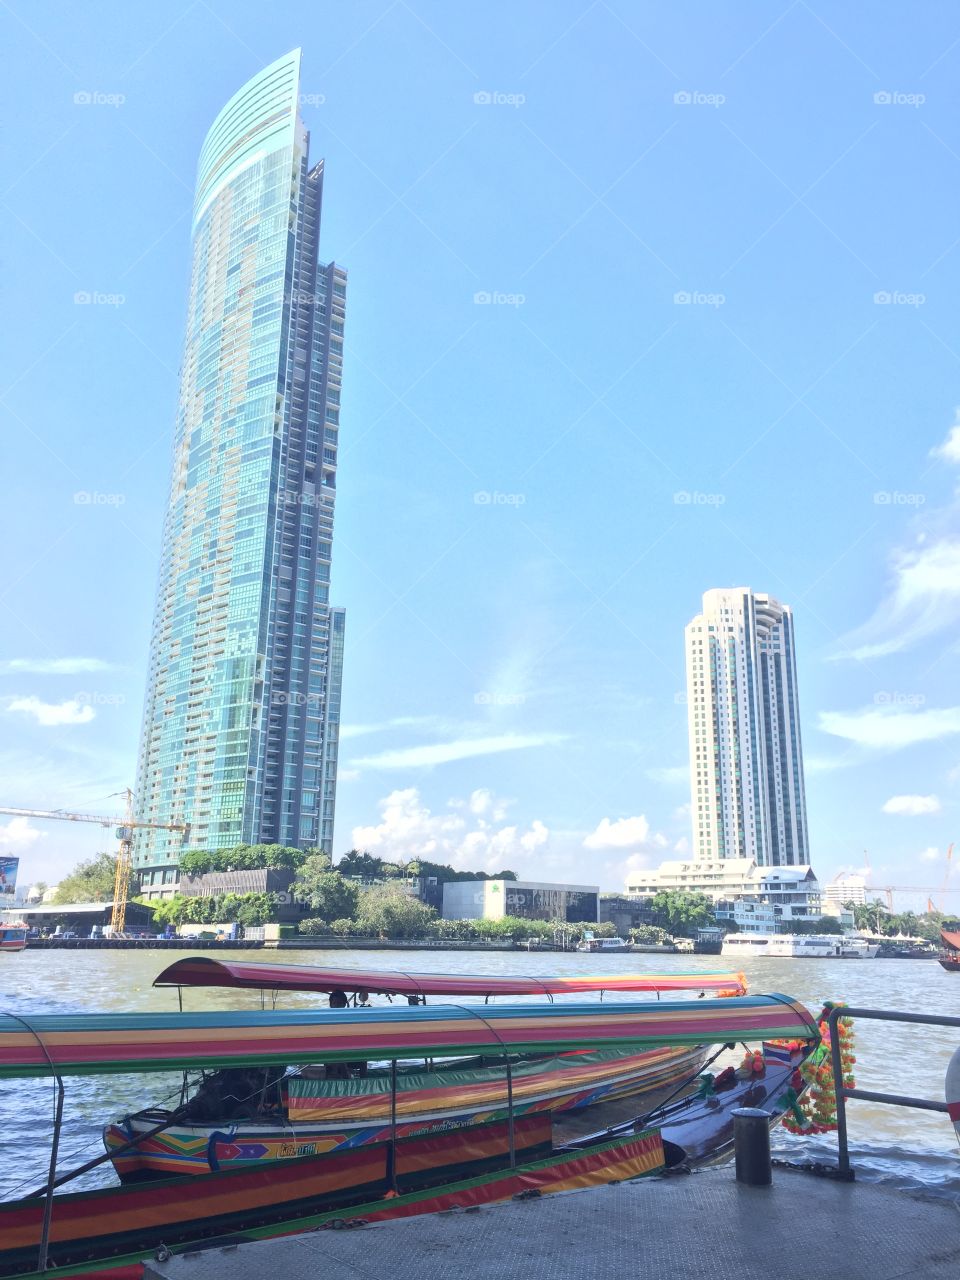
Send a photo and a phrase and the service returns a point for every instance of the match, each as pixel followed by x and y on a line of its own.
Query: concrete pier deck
pixel 705 1225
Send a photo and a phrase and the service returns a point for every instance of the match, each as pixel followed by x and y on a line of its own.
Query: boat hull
pixel 346 1121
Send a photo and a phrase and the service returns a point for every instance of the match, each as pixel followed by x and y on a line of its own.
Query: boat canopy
pixel 204 971
pixel 951 940
pixel 96 1043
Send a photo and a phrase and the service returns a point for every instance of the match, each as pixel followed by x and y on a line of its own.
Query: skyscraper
pixel 746 762
pixel 242 709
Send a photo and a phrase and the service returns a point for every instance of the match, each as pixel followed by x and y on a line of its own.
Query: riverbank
pixel 700 1226
pixel 306 942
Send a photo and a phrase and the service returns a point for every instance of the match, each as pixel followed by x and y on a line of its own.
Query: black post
pixel 48 1202
pixel 843 1150
pixel 751 1141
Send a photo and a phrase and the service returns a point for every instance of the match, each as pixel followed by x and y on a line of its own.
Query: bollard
pixel 751 1141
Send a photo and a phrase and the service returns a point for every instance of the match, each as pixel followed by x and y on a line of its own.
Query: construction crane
pixel 125 828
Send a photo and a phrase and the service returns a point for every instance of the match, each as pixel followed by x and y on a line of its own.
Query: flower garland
pixel 816 1110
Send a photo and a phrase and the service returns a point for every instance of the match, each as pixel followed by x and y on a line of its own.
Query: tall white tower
pixel 746 761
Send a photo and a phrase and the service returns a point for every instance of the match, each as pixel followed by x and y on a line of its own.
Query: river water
pixel 910 1149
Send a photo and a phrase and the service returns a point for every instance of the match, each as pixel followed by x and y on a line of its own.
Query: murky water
pixel 907 1148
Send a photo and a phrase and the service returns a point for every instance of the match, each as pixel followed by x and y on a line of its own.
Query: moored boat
pixel 13 937
pixel 241 1117
pixel 788 946
pixel 113 1228
pixel 603 946
pixel 949 954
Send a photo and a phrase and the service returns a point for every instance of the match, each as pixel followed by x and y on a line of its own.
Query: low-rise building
pixel 526 899
pixel 792 893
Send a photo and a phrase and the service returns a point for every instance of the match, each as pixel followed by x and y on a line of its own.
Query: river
pixel 910 1149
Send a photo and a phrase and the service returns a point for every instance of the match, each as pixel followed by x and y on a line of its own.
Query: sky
pixel 644 299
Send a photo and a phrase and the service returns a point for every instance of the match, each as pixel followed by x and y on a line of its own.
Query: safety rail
pixel 869 1095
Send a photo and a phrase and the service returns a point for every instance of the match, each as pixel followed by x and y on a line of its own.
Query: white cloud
pixel 384 726
pixel 460 749
pixel 18 834
pixel 53 666
pixel 890 727
pixel 930 855
pixel 912 806
pixel 949 450
pixel 625 833
pixel 54 713
pixel 409 829
pixel 924 598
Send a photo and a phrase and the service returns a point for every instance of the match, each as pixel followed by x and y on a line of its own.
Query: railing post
pixel 843 1154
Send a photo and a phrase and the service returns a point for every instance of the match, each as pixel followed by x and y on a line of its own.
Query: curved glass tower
pixel 242 708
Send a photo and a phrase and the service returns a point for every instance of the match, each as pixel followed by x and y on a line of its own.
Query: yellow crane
pixel 125 828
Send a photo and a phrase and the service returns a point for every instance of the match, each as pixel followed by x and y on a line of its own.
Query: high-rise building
pixel 746 762
pixel 242 708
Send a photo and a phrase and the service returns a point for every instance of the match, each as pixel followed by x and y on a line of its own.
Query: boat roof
pixel 97 1043
pixel 950 939
pixel 204 971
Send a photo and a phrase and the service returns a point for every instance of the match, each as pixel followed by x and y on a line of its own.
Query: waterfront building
pixel 790 893
pixel 240 725
pixel 846 888
pixel 527 899
pixel 746 761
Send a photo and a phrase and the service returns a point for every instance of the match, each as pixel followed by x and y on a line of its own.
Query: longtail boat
pixel 105 1230
pixel 243 1117
pixel 949 955
pixel 205 971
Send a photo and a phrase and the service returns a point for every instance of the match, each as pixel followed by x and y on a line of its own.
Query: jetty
pixel 702 1225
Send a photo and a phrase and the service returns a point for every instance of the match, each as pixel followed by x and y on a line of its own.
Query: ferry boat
pixel 240 1117
pixel 949 956
pixel 603 946
pixel 788 946
pixel 13 937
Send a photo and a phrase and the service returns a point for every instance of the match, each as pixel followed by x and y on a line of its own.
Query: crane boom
pixel 125 828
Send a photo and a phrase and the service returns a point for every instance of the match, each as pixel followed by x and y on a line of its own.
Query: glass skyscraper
pixel 242 708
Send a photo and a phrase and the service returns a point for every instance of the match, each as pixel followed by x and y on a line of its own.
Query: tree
pixel 90 881
pixel 826 924
pixel 387 911
pixel 359 864
pixel 324 891
pixel 246 857
pixel 683 912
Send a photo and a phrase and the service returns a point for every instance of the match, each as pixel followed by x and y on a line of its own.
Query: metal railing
pixel 869 1095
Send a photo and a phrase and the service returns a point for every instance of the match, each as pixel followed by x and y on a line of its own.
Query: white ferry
pixel 781 946
pixel 605 945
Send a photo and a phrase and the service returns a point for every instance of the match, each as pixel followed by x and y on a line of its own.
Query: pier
pixel 702 1225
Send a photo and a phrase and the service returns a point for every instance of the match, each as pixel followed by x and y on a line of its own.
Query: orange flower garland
pixel 819 1102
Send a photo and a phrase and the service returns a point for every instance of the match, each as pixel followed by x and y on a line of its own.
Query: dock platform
pixel 700 1226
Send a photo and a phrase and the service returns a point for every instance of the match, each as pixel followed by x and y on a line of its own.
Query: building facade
pixel 527 900
pixel 746 763
pixel 786 893
pixel 845 888
pixel 241 717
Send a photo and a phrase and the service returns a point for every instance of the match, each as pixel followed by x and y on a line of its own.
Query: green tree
pixel 682 912
pixel 360 864
pixel 324 891
pixel 387 911
pixel 90 881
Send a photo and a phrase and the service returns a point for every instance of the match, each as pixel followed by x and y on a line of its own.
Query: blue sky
pixel 644 299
